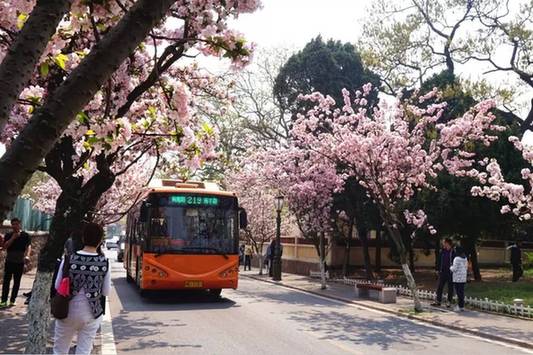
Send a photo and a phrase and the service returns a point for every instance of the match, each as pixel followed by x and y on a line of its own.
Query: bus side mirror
pixel 144 213
pixel 243 218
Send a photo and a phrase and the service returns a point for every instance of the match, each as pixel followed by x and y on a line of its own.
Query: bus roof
pixel 193 187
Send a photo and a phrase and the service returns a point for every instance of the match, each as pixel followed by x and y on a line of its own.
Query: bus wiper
pixel 209 248
pixel 167 252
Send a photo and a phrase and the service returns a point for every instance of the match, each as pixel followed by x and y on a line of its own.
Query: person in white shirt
pixel 459 271
pixel 90 279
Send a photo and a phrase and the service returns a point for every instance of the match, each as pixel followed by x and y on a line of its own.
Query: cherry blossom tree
pixel 107 92
pixel 99 37
pixel 114 204
pixel 307 181
pixel 394 150
pixel 258 201
pixel 495 186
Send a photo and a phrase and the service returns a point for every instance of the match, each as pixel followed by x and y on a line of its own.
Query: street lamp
pixel 276 263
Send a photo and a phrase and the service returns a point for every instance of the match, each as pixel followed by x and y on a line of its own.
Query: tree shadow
pixel 388 333
pixel 125 329
pixel 14 330
pixel 14 325
pixel 287 296
pixel 516 328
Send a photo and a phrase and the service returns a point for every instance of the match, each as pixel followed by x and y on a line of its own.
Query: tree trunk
pixel 48 123
pixel 412 257
pixel 347 249
pixel 68 219
pixel 378 250
pixel 261 265
pixel 39 313
pixel 404 255
pixel 412 286
pixel 323 284
pixel 363 237
pixel 475 263
pixel 23 55
pixel 437 254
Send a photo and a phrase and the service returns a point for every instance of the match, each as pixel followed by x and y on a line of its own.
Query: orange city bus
pixel 184 235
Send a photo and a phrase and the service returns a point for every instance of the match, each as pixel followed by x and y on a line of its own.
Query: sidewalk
pixel 14 324
pixel 486 325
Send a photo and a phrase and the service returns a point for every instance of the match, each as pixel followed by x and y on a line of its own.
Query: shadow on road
pixel 388 333
pixel 141 329
pixel 13 324
pixel 131 300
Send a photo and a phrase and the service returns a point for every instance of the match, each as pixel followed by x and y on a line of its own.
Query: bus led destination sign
pixel 181 200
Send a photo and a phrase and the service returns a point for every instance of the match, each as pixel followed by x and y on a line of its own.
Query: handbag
pixel 60 301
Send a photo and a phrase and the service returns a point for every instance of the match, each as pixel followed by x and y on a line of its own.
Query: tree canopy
pixel 327 67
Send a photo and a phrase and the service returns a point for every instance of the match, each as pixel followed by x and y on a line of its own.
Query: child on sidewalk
pixel 459 271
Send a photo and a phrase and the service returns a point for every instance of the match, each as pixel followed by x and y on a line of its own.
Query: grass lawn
pixel 503 291
pixel 496 284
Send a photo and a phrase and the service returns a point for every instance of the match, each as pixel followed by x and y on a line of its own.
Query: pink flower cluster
pixel 165 121
pixel 394 149
pixel 519 197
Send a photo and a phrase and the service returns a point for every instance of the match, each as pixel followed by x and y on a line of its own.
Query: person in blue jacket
pixel 444 262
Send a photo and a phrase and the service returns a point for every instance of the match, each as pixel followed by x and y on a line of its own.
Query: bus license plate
pixel 193 284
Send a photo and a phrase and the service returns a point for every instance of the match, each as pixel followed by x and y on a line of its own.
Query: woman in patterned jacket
pixel 90 279
pixel 459 269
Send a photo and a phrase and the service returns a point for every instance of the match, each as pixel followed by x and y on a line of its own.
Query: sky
pixel 292 23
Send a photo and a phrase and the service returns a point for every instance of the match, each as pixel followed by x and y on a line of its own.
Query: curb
pixel 517 342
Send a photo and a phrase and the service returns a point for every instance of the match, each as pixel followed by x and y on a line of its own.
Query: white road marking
pixel 511 346
pixel 106 332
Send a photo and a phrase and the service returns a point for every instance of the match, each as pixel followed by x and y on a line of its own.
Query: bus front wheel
pixel 215 292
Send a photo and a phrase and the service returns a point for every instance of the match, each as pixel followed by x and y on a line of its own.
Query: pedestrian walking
pixel 516 260
pixel 241 254
pixel 248 252
pixel 459 271
pixel 445 275
pixel 270 256
pixel 90 280
pixel 17 244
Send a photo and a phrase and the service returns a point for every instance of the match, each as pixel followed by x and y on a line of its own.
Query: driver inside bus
pixel 158 227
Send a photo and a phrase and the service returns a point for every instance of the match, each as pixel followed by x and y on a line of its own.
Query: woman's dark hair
pixel 460 251
pixel 93 234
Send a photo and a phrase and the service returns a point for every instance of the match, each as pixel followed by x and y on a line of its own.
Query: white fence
pixel 479 303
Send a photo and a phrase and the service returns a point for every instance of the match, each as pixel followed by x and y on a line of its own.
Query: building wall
pixel 301 258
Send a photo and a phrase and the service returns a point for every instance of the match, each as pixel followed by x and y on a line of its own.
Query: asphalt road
pixel 259 318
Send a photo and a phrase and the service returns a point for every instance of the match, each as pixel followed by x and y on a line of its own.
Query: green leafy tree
pixel 407 41
pixel 360 216
pixel 452 209
pixel 330 67
pixel 327 67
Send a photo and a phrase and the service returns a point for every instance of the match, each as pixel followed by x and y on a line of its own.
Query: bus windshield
pixel 192 230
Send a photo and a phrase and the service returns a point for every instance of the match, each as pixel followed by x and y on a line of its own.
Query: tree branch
pixel 48 122
pixel 20 61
